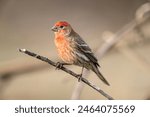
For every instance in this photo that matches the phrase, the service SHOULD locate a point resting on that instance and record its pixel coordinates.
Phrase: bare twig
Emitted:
(67, 71)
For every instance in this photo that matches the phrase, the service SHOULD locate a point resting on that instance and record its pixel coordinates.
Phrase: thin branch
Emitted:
(67, 71)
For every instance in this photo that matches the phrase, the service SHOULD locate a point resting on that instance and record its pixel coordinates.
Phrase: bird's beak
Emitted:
(54, 28)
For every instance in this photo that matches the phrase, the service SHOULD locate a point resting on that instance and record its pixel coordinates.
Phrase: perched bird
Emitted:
(72, 49)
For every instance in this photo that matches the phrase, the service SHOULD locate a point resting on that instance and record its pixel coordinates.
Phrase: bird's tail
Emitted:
(96, 70)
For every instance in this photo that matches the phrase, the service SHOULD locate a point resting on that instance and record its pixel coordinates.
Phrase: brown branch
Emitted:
(67, 71)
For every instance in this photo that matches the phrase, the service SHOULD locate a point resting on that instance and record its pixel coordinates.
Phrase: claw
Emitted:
(59, 65)
(79, 77)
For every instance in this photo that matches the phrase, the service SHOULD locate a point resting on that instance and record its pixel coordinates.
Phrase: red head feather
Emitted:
(62, 23)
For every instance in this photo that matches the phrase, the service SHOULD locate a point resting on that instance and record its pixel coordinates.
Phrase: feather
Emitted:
(82, 47)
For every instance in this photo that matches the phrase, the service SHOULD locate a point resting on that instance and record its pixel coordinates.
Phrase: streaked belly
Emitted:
(65, 51)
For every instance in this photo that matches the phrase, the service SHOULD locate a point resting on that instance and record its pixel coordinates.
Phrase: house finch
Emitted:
(72, 49)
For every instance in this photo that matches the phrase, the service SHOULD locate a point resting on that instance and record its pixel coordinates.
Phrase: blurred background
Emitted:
(117, 30)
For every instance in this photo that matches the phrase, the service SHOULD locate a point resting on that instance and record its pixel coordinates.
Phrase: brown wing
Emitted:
(83, 48)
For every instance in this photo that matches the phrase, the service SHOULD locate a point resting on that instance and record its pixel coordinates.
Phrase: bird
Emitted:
(73, 50)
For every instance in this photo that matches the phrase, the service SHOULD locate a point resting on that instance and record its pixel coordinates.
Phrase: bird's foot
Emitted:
(59, 65)
(79, 77)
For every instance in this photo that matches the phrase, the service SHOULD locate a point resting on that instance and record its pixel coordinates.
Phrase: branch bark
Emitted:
(67, 71)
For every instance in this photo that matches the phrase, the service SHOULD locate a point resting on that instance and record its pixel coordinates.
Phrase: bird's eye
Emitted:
(61, 26)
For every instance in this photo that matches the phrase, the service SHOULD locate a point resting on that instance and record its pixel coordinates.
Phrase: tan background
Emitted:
(27, 24)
